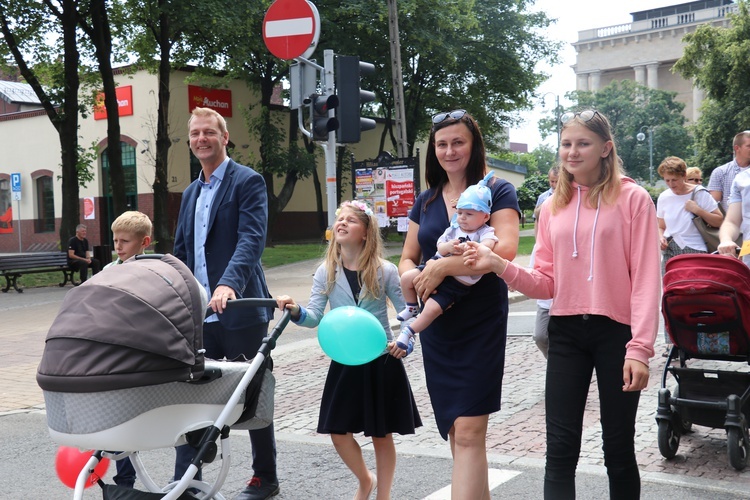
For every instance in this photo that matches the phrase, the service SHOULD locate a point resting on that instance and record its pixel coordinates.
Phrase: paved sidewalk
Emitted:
(516, 434)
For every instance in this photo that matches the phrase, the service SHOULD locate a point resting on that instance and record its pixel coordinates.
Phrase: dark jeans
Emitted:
(83, 267)
(125, 473)
(220, 343)
(578, 345)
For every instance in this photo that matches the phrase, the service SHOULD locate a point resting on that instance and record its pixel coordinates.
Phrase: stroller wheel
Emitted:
(737, 446)
(668, 439)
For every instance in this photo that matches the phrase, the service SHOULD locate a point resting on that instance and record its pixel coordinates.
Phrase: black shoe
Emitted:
(258, 489)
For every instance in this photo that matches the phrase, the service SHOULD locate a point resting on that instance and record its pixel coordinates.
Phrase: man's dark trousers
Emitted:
(220, 343)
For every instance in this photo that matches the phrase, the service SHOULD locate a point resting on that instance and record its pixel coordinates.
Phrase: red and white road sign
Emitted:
(291, 28)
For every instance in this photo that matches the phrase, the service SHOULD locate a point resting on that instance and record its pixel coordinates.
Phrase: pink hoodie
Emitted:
(599, 261)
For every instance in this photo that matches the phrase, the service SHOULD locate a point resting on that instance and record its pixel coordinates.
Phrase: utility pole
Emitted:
(398, 81)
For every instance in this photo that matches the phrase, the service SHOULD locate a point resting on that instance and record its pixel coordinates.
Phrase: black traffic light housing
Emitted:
(349, 70)
(322, 124)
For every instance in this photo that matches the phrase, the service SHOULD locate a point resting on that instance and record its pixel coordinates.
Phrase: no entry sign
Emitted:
(291, 28)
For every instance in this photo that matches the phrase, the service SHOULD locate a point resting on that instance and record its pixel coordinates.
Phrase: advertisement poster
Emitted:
(89, 208)
(6, 219)
(389, 190)
(399, 192)
(124, 103)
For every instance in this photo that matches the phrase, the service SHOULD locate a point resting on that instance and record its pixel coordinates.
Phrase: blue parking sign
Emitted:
(15, 182)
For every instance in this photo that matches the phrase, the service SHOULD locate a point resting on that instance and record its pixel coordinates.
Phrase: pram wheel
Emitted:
(668, 439)
(737, 447)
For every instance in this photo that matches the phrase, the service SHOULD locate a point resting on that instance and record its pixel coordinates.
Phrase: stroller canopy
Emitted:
(133, 325)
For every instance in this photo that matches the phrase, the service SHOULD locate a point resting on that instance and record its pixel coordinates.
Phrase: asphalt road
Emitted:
(308, 469)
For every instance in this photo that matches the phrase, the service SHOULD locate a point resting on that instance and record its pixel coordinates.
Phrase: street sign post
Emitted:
(291, 28)
(15, 187)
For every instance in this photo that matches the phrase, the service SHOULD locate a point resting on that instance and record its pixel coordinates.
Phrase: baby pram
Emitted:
(706, 309)
(123, 371)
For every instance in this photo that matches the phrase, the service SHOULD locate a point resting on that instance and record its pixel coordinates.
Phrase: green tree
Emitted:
(156, 32)
(716, 60)
(479, 56)
(527, 160)
(546, 157)
(530, 190)
(54, 73)
(632, 108)
(228, 50)
(93, 18)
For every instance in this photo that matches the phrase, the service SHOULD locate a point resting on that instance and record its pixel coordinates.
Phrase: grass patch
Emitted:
(279, 255)
(525, 245)
(272, 257)
(53, 278)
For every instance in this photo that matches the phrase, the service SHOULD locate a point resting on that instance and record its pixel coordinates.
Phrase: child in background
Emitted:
(131, 233)
(469, 224)
(374, 398)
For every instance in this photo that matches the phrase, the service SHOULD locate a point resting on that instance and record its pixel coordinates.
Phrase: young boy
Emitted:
(469, 224)
(131, 233)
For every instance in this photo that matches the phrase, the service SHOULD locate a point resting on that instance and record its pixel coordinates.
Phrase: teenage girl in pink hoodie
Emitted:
(598, 256)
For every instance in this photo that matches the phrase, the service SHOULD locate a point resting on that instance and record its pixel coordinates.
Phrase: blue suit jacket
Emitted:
(235, 240)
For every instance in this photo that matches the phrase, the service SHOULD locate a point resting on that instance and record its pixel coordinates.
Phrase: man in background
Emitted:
(79, 254)
(720, 183)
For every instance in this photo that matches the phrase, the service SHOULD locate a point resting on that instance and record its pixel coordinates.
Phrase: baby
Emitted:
(468, 224)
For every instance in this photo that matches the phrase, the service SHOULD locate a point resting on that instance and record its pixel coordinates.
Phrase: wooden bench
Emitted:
(13, 267)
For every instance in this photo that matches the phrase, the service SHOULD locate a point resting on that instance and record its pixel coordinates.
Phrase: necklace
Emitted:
(450, 202)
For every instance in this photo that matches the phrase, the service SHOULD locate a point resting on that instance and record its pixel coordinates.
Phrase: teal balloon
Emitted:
(351, 336)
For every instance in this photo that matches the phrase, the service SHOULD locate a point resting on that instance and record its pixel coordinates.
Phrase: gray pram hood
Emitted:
(133, 325)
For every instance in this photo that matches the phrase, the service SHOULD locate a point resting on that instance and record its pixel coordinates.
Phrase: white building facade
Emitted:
(646, 49)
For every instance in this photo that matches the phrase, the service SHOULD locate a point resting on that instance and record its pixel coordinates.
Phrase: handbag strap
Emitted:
(701, 188)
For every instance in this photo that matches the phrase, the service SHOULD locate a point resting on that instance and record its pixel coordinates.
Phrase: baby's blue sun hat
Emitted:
(477, 197)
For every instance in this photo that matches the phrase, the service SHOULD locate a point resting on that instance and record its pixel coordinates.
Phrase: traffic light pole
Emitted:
(329, 147)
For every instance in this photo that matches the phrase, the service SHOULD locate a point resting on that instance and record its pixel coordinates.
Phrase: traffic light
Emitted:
(321, 122)
(349, 69)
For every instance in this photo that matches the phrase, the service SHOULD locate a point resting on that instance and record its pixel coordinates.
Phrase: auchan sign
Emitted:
(124, 103)
(220, 100)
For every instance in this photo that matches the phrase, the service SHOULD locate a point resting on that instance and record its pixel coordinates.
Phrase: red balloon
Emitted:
(68, 464)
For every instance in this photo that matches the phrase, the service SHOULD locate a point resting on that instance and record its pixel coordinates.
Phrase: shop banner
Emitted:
(124, 103)
(220, 100)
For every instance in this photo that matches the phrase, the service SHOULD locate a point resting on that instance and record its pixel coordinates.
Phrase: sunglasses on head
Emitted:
(583, 115)
(453, 115)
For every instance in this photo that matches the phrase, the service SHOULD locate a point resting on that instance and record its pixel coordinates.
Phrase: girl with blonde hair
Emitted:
(374, 398)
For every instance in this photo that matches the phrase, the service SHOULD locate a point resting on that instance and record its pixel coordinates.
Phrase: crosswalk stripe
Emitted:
(496, 478)
(522, 313)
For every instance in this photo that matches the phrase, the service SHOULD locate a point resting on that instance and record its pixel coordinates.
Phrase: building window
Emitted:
(128, 168)
(45, 205)
(131, 186)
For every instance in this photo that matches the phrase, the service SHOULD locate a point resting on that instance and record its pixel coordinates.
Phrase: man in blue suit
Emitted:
(221, 234)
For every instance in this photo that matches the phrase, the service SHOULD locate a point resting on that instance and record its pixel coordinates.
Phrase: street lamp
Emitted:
(557, 114)
(641, 136)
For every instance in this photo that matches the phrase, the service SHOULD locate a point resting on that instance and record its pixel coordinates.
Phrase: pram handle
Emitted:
(252, 302)
(269, 342)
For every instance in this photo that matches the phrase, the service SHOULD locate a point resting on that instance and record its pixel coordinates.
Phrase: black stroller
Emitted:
(135, 378)
(706, 309)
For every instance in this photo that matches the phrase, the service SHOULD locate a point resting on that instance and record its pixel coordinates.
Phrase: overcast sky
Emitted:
(573, 16)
